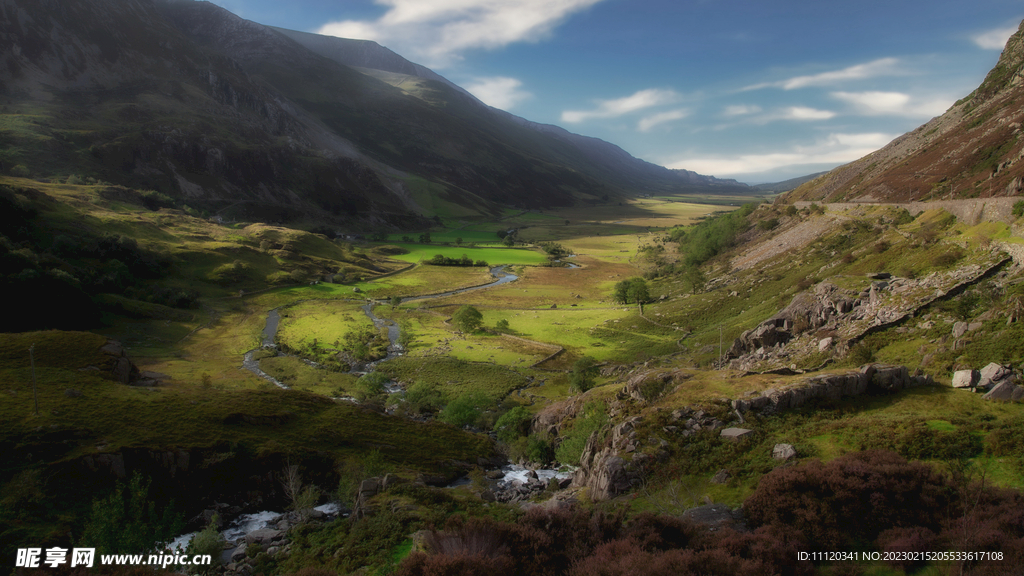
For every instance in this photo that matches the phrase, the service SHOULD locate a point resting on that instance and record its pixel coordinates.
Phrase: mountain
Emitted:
(250, 122)
(973, 150)
(612, 162)
(786, 185)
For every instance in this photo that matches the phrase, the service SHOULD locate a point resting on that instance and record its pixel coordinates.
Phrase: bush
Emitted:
(513, 424)
(570, 449)
(464, 410)
(1018, 209)
(851, 500)
(207, 542)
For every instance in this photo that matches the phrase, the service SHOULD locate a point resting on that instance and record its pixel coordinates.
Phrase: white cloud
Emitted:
(994, 39)
(893, 104)
(618, 107)
(881, 67)
(437, 32)
(498, 91)
(649, 122)
(803, 113)
(836, 149)
(741, 110)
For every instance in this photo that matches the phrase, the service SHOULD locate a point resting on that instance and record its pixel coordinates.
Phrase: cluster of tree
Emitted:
(709, 238)
(555, 249)
(442, 260)
(632, 291)
(467, 319)
(56, 274)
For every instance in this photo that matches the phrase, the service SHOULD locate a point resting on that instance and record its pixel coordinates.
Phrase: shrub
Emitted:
(463, 410)
(513, 424)
(851, 500)
(1018, 209)
(207, 542)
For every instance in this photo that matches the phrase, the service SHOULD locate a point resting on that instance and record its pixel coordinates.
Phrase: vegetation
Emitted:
(467, 319)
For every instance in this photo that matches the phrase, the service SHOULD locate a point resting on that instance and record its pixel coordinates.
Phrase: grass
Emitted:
(493, 256)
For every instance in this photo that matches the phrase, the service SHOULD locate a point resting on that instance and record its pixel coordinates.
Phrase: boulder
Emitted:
(264, 536)
(993, 374)
(721, 477)
(736, 433)
(959, 329)
(966, 378)
(716, 516)
(824, 344)
(238, 554)
(783, 452)
(1006, 390)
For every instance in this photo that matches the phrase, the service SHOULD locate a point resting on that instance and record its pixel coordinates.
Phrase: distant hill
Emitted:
(786, 185)
(973, 150)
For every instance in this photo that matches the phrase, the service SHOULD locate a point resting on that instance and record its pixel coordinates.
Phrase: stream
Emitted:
(250, 363)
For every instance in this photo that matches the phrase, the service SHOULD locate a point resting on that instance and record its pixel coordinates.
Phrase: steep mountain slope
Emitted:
(974, 150)
(591, 155)
(236, 118)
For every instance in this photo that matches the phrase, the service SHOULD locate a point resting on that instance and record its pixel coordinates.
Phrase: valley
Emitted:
(251, 269)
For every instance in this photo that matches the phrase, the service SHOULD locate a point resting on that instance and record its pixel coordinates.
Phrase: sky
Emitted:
(756, 90)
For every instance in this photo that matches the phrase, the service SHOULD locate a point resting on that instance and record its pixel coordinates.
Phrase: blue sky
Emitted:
(757, 90)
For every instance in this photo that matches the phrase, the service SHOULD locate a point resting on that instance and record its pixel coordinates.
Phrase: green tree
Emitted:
(583, 373)
(127, 522)
(632, 291)
(463, 410)
(502, 326)
(508, 241)
(696, 278)
(467, 319)
(513, 424)
(395, 301)
(458, 241)
(425, 238)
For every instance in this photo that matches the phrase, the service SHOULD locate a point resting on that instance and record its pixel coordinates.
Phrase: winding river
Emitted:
(252, 364)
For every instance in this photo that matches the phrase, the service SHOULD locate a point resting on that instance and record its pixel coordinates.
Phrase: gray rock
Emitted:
(966, 378)
(824, 344)
(721, 477)
(1007, 391)
(736, 433)
(264, 536)
(993, 374)
(959, 329)
(238, 554)
(783, 452)
(716, 516)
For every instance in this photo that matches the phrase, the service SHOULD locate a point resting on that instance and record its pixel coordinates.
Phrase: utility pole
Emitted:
(720, 366)
(32, 361)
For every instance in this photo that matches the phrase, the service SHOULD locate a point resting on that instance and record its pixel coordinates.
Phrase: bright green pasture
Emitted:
(493, 256)
(326, 321)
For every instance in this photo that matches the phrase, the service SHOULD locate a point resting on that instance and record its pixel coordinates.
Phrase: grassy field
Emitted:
(493, 256)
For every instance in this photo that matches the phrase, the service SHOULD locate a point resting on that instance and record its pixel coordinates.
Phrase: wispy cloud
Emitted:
(653, 120)
(994, 39)
(881, 67)
(438, 32)
(893, 104)
(498, 91)
(741, 110)
(836, 149)
(620, 106)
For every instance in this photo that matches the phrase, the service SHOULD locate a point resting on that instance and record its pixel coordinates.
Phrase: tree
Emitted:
(633, 290)
(127, 522)
(425, 238)
(467, 319)
(583, 373)
(458, 241)
(208, 541)
(508, 241)
(513, 424)
(696, 278)
(502, 326)
(395, 301)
